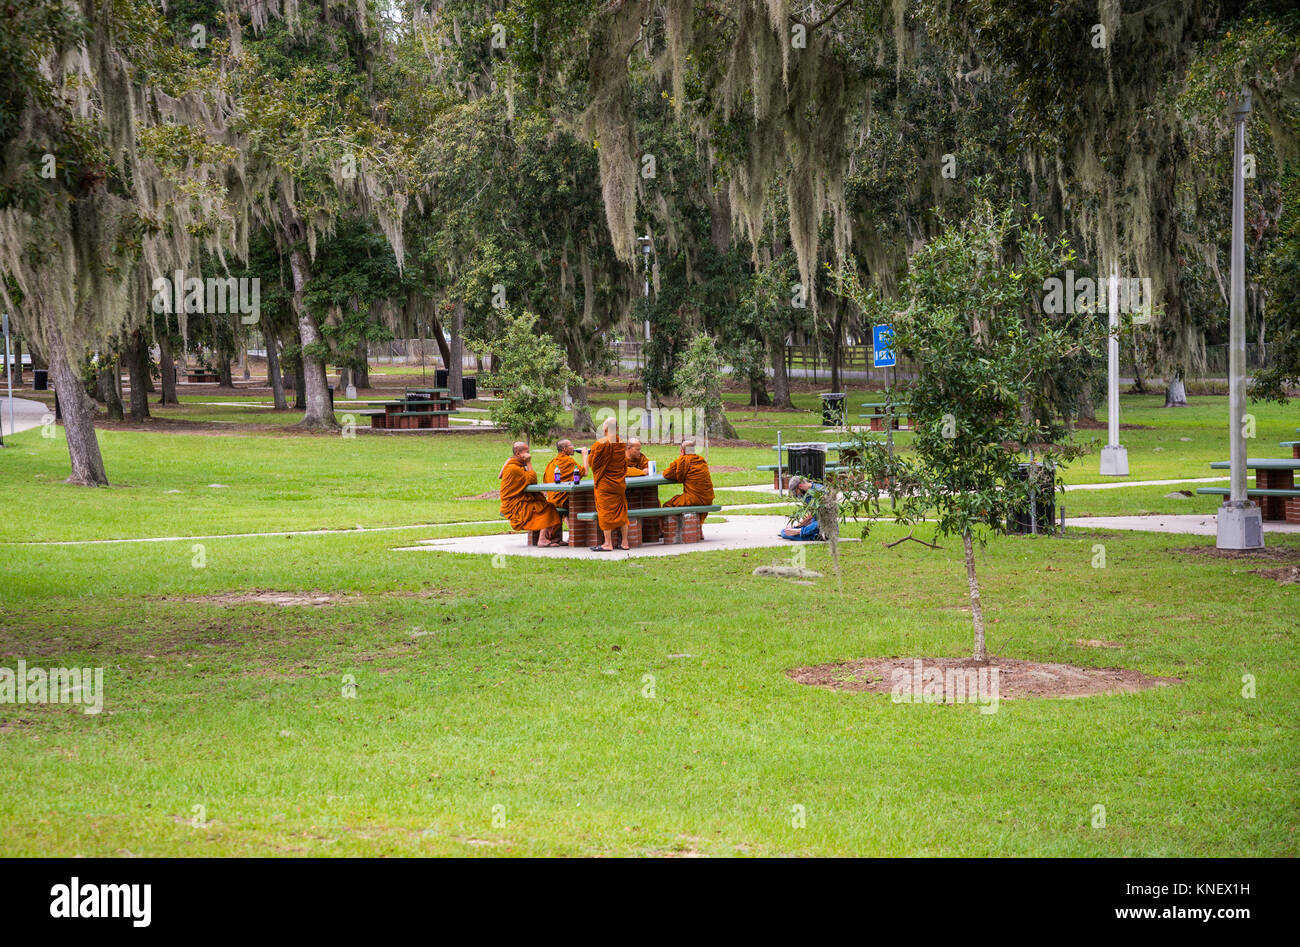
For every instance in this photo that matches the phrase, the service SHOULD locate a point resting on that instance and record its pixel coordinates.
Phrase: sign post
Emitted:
(882, 347)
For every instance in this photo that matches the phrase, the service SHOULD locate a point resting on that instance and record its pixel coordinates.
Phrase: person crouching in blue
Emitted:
(805, 528)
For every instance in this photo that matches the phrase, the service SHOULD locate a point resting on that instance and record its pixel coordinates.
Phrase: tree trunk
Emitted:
(436, 328)
(243, 360)
(18, 360)
(780, 377)
(167, 368)
(836, 350)
(224, 378)
(108, 392)
(1176, 392)
(78, 415)
(273, 376)
(137, 367)
(1087, 410)
(319, 414)
(976, 611)
(299, 384)
(361, 374)
(457, 353)
(758, 394)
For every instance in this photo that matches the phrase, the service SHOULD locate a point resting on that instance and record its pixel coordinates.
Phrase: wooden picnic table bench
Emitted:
(891, 413)
(1274, 484)
(1294, 445)
(644, 526)
(679, 529)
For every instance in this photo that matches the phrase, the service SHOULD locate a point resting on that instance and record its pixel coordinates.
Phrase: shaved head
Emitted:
(633, 444)
(688, 446)
(564, 446)
(611, 424)
(520, 448)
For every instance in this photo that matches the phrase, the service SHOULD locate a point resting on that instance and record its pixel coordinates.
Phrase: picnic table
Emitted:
(420, 408)
(648, 521)
(1274, 485)
(886, 412)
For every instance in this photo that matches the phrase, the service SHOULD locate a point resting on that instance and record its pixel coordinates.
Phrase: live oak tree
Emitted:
(969, 319)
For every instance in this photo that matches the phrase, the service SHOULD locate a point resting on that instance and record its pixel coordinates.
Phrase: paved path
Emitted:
(27, 414)
(739, 532)
(1192, 524)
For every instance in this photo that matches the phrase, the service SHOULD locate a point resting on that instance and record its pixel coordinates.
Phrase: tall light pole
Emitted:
(1114, 456)
(1239, 524)
(645, 256)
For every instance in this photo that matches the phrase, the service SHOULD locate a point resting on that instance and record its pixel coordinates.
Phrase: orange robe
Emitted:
(523, 510)
(638, 465)
(692, 472)
(609, 470)
(566, 463)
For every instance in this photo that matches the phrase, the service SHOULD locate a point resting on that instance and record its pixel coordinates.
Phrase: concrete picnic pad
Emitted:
(738, 532)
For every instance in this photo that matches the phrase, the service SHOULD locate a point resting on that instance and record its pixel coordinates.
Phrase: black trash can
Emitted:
(1019, 520)
(40, 379)
(469, 387)
(833, 409)
(807, 460)
(440, 378)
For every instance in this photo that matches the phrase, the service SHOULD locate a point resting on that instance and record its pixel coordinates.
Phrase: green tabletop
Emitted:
(568, 486)
(804, 445)
(1262, 463)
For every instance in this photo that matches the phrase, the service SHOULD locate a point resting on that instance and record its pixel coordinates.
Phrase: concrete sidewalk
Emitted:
(27, 414)
(738, 532)
(1192, 524)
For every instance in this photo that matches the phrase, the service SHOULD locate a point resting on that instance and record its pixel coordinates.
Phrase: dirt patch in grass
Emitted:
(313, 598)
(267, 597)
(1283, 575)
(1096, 643)
(1267, 553)
(490, 495)
(728, 469)
(1015, 679)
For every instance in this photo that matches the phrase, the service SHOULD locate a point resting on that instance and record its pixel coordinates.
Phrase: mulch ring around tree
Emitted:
(1015, 679)
(1283, 575)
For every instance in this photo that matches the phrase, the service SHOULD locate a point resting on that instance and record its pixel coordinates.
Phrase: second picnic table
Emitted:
(418, 408)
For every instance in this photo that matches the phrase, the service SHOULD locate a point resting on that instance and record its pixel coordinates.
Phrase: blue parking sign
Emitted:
(882, 343)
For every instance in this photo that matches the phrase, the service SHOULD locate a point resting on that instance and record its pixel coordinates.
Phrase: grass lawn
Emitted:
(602, 707)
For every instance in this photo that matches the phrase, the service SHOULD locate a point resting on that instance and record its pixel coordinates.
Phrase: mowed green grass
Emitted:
(602, 707)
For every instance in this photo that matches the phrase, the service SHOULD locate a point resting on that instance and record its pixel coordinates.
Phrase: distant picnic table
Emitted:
(417, 408)
(647, 520)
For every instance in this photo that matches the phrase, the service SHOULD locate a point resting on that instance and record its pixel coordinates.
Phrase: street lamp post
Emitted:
(645, 256)
(1114, 456)
(1239, 524)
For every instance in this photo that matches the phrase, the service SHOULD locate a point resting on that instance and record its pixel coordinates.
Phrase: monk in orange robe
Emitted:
(608, 460)
(524, 510)
(638, 464)
(564, 462)
(692, 472)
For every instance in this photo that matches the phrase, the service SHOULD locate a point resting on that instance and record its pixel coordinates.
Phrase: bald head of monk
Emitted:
(609, 429)
(564, 447)
(688, 447)
(633, 447)
(522, 452)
